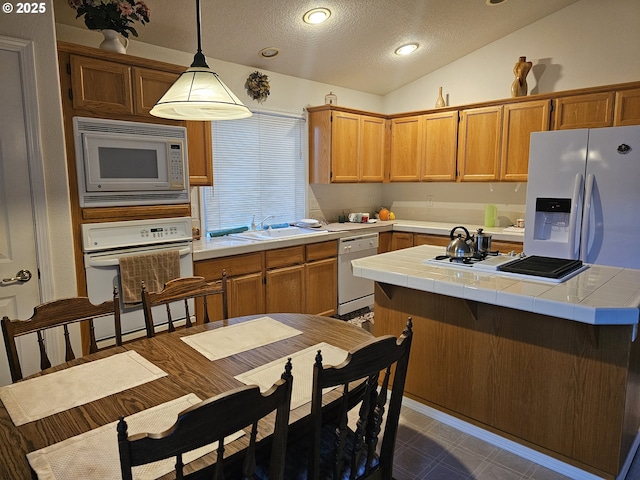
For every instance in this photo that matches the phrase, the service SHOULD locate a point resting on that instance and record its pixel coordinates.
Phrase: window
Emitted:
(258, 170)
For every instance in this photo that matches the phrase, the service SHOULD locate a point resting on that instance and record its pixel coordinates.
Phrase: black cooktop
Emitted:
(548, 267)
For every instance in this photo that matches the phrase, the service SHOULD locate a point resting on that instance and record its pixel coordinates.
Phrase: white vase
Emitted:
(112, 41)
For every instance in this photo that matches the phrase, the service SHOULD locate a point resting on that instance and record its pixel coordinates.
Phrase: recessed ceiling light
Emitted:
(317, 15)
(493, 3)
(406, 49)
(269, 52)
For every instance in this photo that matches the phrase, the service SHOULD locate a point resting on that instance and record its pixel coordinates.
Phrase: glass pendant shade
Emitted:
(199, 94)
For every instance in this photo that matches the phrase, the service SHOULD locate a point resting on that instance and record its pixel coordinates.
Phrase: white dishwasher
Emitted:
(354, 293)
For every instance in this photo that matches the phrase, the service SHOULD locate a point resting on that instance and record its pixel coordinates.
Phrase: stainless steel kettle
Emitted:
(460, 247)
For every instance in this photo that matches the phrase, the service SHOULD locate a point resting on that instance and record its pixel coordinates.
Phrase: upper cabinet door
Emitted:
(520, 119)
(149, 86)
(440, 147)
(406, 149)
(593, 110)
(372, 148)
(479, 143)
(101, 86)
(200, 149)
(627, 108)
(345, 147)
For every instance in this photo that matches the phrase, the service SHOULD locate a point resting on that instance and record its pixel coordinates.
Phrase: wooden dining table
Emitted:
(188, 371)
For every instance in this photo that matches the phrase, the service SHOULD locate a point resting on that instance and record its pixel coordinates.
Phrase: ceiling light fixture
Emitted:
(406, 49)
(269, 52)
(199, 94)
(316, 16)
(493, 3)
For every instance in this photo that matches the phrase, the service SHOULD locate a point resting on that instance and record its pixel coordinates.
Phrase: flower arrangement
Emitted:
(117, 15)
(257, 86)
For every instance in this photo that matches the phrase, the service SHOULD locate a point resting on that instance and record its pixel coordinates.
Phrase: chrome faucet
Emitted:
(261, 222)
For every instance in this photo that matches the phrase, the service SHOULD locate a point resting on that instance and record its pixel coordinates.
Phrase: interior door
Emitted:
(17, 233)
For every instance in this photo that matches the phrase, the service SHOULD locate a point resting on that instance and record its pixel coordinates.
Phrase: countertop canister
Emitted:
(490, 213)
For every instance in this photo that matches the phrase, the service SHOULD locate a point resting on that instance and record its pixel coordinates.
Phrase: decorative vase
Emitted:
(440, 101)
(112, 41)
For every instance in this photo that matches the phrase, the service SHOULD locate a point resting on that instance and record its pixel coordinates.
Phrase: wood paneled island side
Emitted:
(545, 365)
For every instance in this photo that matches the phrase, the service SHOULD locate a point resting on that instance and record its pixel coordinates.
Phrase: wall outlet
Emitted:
(429, 200)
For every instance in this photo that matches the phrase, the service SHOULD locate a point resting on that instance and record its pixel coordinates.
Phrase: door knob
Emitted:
(21, 276)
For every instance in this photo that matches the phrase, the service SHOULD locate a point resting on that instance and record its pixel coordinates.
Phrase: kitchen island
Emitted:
(554, 367)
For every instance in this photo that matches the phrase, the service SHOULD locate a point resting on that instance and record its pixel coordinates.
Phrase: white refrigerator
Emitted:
(583, 196)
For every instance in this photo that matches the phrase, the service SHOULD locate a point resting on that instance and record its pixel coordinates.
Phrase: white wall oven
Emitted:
(123, 163)
(104, 244)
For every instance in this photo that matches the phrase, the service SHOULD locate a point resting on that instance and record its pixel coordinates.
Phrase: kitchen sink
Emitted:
(277, 233)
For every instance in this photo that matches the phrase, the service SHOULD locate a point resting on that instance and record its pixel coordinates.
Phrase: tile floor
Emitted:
(427, 449)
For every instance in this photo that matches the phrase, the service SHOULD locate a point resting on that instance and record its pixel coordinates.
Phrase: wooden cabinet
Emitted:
(592, 110)
(423, 147)
(100, 86)
(245, 283)
(627, 109)
(400, 240)
(321, 278)
(285, 280)
(430, 239)
(406, 148)
(148, 87)
(298, 279)
(200, 148)
(373, 131)
(406, 240)
(520, 119)
(285, 289)
(345, 146)
(479, 144)
(438, 162)
(384, 242)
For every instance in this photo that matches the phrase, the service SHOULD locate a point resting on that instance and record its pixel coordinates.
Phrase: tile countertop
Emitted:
(599, 295)
(224, 246)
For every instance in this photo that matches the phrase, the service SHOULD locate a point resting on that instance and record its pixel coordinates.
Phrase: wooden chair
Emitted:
(211, 421)
(54, 314)
(182, 290)
(336, 451)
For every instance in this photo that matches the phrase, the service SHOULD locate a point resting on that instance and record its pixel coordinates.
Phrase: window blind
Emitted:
(258, 169)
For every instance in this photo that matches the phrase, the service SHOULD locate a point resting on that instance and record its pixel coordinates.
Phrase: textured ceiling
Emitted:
(353, 49)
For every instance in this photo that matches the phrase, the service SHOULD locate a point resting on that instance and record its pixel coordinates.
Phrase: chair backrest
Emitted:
(54, 314)
(182, 290)
(211, 421)
(376, 367)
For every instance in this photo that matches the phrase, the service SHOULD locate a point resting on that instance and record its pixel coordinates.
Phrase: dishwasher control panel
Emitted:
(358, 243)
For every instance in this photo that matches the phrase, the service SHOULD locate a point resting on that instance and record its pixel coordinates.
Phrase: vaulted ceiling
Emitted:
(354, 48)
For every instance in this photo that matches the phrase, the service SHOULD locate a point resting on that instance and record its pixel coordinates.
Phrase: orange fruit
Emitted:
(383, 214)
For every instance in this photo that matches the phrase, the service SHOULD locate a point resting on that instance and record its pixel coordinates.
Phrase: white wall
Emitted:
(39, 28)
(588, 43)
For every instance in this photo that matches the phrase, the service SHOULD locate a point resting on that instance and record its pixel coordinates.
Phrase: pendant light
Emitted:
(199, 94)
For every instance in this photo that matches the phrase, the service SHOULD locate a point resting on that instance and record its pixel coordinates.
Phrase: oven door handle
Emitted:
(113, 260)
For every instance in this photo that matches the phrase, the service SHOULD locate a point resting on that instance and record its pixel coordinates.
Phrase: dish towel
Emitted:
(155, 269)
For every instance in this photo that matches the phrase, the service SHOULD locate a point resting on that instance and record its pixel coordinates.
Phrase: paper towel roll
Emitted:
(490, 214)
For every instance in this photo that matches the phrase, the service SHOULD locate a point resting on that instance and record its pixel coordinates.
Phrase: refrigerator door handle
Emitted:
(584, 234)
(576, 205)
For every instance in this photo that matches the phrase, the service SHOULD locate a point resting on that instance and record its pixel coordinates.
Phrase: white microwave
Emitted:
(122, 163)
